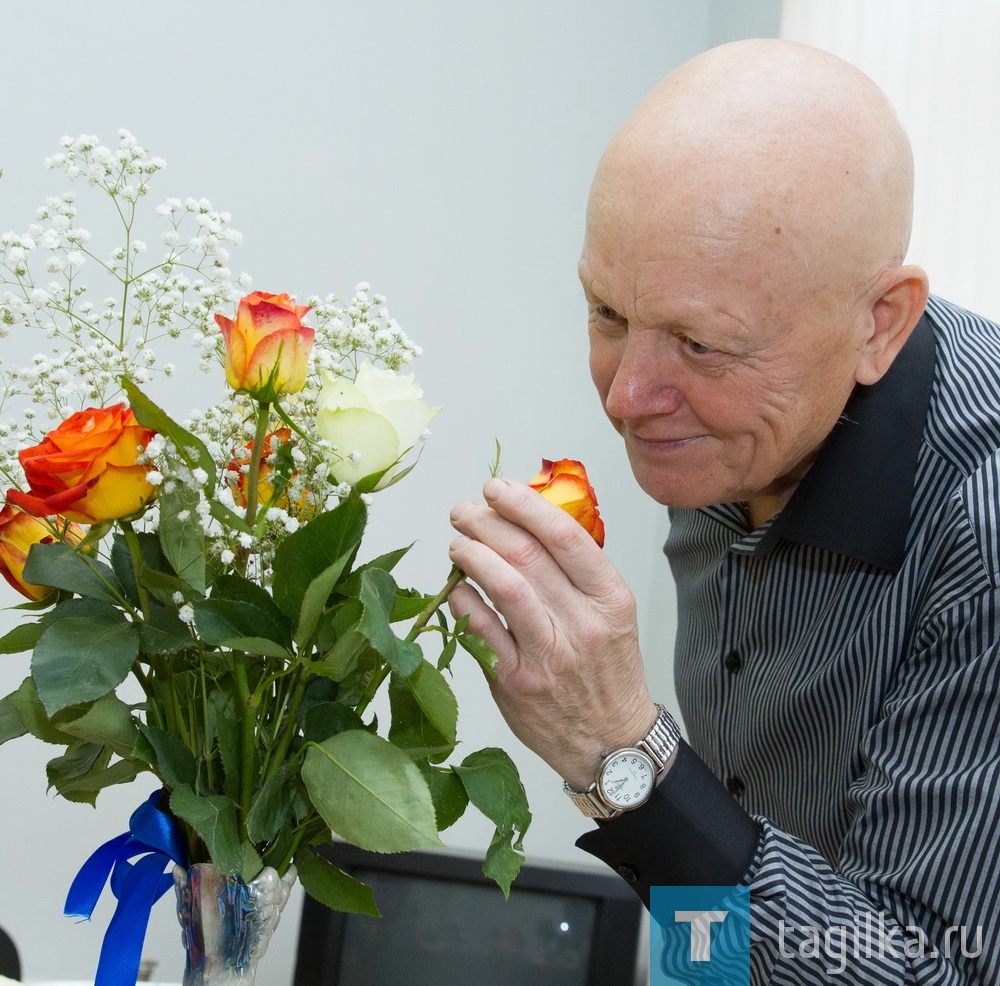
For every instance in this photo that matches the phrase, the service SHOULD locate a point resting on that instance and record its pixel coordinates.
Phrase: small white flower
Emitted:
(178, 598)
(227, 557)
(186, 614)
(154, 477)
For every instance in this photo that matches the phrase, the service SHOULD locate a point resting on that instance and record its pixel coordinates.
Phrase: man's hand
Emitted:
(570, 681)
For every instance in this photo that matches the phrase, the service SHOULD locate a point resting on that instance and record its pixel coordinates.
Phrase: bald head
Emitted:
(777, 139)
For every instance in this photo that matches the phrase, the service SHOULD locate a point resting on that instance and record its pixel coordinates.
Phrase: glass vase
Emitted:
(226, 923)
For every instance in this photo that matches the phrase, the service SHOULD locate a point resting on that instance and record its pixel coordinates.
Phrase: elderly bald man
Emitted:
(826, 439)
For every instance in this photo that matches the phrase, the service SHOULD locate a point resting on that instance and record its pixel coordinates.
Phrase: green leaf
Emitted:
(424, 713)
(173, 761)
(409, 604)
(150, 553)
(370, 793)
(502, 862)
(182, 537)
(241, 626)
(162, 586)
(164, 633)
(240, 589)
(61, 566)
(315, 599)
(326, 719)
(82, 658)
(23, 637)
(11, 725)
(108, 722)
(331, 886)
(213, 817)
(252, 863)
(447, 792)
(447, 654)
(150, 415)
(86, 787)
(305, 555)
(480, 650)
(31, 712)
(272, 805)
(226, 724)
(494, 787)
(378, 594)
(385, 563)
(77, 762)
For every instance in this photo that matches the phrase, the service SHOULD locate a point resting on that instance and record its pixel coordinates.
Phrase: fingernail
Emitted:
(493, 489)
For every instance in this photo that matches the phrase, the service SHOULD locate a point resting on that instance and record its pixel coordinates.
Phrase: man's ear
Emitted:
(899, 301)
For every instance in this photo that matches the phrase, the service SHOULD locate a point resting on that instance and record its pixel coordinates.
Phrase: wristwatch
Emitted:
(626, 778)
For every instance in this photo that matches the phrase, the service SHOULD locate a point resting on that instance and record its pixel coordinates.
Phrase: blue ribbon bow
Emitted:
(154, 836)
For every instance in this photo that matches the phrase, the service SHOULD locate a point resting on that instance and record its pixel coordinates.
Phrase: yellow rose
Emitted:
(373, 422)
(267, 346)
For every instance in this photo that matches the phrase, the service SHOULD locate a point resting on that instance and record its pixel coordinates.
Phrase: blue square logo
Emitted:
(699, 935)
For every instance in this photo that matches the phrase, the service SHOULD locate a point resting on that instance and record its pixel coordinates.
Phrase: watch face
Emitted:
(627, 779)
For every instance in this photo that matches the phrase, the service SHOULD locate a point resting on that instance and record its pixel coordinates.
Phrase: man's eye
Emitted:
(608, 313)
(699, 349)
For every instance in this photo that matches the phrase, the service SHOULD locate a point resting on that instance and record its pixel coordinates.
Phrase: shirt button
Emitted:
(736, 787)
(733, 661)
(628, 874)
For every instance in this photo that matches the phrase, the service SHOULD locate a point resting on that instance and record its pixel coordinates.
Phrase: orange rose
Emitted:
(18, 532)
(565, 484)
(86, 469)
(236, 476)
(267, 346)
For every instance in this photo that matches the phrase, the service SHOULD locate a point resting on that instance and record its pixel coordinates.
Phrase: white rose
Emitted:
(379, 416)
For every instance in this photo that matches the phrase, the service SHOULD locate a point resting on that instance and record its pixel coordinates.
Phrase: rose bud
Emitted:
(86, 470)
(236, 476)
(18, 532)
(565, 484)
(372, 422)
(267, 346)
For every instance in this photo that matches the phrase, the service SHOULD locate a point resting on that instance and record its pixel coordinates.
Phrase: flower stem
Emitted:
(247, 721)
(455, 576)
(263, 419)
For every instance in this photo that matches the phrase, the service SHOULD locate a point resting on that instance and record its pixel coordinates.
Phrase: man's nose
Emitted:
(645, 383)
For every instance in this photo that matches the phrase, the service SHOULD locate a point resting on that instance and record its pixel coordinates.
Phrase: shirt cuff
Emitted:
(691, 832)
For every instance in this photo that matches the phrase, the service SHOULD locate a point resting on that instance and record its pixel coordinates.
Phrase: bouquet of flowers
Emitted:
(199, 608)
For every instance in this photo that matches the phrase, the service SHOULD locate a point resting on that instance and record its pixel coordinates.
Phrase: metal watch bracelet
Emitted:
(658, 745)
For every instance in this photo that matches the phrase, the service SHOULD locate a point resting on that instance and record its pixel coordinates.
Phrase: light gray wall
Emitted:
(441, 151)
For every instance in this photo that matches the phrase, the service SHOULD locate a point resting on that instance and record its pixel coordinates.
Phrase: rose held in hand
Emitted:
(86, 470)
(267, 346)
(565, 484)
(372, 422)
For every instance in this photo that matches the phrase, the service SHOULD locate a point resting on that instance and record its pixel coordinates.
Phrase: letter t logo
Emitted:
(701, 931)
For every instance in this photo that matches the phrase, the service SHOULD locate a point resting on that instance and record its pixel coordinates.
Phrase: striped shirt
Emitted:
(839, 670)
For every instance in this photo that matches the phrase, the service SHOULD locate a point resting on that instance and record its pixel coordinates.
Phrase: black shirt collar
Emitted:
(855, 499)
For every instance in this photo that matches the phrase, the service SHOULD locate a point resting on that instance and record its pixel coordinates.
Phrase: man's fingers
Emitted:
(574, 550)
(483, 620)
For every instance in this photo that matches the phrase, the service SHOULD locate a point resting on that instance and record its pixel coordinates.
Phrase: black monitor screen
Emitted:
(444, 923)
(467, 933)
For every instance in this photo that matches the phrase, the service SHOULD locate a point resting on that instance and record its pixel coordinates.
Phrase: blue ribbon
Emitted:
(155, 837)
